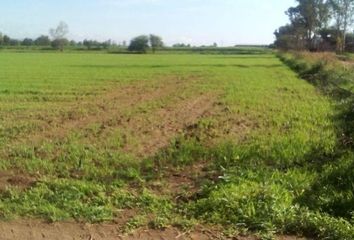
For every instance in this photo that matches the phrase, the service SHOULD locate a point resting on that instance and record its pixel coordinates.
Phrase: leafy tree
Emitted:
(106, 44)
(290, 37)
(309, 28)
(181, 45)
(14, 42)
(27, 42)
(343, 12)
(349, 43)
(6, 40)
(59, 43)
(309, 16)
(93, 44)
(329, 38)
(155, 42)
(42, 41)
(72, 43)
(58, 34)
(87, 43)
(139, 44)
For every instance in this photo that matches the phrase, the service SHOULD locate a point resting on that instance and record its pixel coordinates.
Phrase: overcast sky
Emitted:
(197, 22)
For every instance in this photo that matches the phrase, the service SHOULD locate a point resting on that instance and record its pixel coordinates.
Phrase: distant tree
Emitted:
(14, 42)
(72, 43)
(58, 34)
(60, 31)
(215, 44)
(139, 44)
(59, 43)
(87, 44)
(181, 45)
(93, 44)
(290, 37)
(106, 44)
(42, 41)
(155, 42)
(27, 42)
(6, 40)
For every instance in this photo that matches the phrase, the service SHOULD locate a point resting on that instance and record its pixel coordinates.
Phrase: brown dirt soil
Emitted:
(157, 129)
(36, 230)
(182, 184)
(9, 179)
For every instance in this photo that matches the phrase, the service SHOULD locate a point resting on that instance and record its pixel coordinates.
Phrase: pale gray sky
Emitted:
(226, 22)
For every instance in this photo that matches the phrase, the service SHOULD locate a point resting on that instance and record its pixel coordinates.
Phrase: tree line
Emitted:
(318, 25)
(57, 40)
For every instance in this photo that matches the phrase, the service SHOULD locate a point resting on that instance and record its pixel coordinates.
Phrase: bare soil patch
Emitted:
(182, 184)
(36, 230)
(156, 129)
(10, 179)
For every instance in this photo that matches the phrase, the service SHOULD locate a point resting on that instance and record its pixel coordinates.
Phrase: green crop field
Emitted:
(236, 143)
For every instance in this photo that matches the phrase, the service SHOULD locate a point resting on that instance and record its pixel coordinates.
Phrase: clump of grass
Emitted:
(332, 191)
(181, 152)
(249, 205)
(60, 200)
(319, 225)
(252, 199)
(68, 199)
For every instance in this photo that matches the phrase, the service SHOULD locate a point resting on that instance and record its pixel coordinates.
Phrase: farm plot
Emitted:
(195, 146)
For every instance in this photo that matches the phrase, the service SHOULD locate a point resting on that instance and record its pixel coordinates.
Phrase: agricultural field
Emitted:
(170, 146)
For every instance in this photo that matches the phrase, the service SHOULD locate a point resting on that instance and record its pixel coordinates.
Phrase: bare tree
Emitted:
(58, 34)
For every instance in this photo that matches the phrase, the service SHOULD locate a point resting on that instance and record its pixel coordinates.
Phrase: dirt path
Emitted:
(36, 230)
